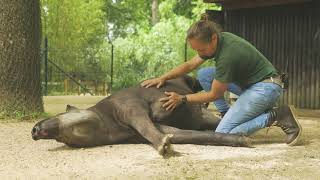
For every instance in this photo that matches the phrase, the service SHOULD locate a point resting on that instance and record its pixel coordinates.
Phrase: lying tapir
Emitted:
(135, 115)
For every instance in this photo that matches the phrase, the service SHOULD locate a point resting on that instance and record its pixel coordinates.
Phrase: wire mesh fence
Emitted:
(64, 73)
(63, 76)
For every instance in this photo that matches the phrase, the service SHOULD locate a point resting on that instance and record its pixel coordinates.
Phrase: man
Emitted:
(240, 69)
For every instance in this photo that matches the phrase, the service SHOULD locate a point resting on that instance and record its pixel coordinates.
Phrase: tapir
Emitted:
(135, 115)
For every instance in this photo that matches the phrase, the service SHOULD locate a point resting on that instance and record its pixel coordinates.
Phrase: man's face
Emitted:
(204, 49)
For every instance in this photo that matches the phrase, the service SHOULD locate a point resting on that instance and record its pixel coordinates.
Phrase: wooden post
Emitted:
(46, 66)
(79, 88)
(66, 86)
(96, 84)
(104, 84)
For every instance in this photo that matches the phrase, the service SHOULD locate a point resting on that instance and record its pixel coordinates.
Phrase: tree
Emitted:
(155, 12)
(20, 88)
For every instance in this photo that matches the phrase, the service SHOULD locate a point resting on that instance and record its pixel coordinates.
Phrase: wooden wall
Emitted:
(288, 35)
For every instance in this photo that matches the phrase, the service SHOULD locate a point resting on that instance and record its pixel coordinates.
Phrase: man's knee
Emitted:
(206, 74)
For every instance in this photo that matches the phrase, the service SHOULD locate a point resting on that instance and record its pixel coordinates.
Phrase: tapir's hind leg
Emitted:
(203, 137)
(138, 118)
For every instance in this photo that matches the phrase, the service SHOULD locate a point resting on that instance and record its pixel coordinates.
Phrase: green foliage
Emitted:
(76, 33)
(125, 17)
(166, 9)
(150, 54)
(184, 8)
(80, 33)
(201, 7)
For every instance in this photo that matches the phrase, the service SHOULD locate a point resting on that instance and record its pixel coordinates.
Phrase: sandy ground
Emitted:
(23, 158)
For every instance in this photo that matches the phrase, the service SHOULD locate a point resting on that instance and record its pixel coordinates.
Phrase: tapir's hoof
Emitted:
(165, 148)
(242, 141)
(246, 141)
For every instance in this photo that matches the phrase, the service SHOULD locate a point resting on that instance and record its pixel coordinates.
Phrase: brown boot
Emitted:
(284, 117)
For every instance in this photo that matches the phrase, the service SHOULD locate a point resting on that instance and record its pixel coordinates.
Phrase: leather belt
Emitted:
(276, 80)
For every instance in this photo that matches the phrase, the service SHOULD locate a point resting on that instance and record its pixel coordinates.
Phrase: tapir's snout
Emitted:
(35, 132)
(38, 133)
(45, 129)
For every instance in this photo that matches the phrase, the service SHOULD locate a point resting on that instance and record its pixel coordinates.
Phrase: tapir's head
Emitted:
(74, 127)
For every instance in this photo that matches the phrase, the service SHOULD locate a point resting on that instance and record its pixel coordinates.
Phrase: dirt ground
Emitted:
(23, 158)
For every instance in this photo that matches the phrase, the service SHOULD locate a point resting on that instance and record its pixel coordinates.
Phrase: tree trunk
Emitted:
(20, 84)
(155, 12)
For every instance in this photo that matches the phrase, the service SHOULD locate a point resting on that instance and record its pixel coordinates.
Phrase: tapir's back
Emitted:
(185, 116)
(182, 85)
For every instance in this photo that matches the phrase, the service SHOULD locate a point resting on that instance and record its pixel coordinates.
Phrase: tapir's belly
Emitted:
(158, 113)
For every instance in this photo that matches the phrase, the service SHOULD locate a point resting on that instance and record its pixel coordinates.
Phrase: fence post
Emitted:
(112, 48)
(104, 88)
(46, 66)
(186, 51)
(66, 86)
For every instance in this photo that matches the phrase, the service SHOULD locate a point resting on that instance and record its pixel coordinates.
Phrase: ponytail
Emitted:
(203, 29)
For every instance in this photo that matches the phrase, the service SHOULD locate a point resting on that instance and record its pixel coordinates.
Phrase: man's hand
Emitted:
(153, 82)
(171, 101)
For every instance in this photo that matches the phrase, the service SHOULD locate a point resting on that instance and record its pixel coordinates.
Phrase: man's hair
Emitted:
(203, 30)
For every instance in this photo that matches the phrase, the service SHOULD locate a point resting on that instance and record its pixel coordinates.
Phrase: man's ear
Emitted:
(70, 108)
(214, 37)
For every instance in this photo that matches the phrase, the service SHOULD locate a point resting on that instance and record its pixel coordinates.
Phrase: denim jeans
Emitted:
(248, 114)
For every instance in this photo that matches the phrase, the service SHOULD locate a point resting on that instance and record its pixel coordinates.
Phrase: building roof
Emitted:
(239, 4)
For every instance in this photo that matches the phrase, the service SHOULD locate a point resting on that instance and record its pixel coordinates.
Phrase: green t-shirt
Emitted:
(239, 62)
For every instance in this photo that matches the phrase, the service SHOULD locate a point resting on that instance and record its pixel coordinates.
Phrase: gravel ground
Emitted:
(23, 158)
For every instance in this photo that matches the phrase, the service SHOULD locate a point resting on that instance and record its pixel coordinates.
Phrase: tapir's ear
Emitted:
(70, 108)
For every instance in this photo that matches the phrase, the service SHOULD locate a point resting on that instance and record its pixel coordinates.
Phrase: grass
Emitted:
(18, 116)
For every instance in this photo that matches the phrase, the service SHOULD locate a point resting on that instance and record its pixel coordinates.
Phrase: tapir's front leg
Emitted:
(137, 116)
(204, 137)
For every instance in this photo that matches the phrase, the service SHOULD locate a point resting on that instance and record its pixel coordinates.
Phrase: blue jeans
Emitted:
(248, 114)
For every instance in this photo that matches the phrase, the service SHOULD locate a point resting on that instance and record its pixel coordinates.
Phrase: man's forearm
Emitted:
(201, 97)
(216, 92)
